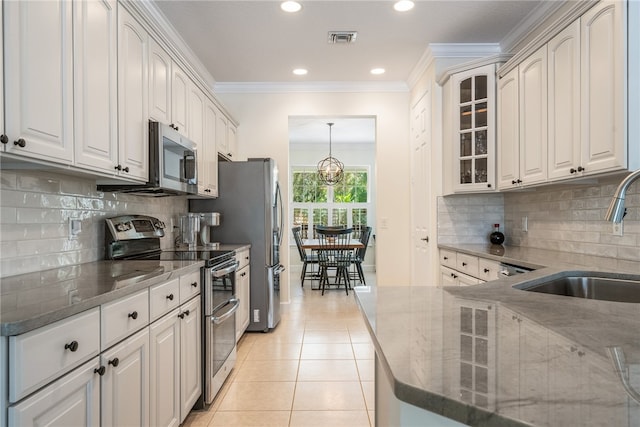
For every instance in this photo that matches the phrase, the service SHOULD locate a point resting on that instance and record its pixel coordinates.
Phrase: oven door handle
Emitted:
(225, 271)
(219, 319)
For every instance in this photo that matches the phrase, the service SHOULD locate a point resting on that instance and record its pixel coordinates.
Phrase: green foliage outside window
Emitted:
(307, 188)
(352, 188)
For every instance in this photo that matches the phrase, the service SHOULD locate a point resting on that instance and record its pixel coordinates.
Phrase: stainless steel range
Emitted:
(138, 237)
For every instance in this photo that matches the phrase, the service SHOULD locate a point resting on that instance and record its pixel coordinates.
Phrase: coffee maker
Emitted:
(188, 228)
(208, 220)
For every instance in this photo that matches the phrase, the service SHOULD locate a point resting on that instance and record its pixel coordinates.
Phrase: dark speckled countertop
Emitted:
(494, 355)
(29, 301)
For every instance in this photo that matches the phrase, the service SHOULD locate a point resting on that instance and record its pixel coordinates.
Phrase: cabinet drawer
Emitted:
(39, 356)
(189, 286)
(123, 317)
(448, 258)
(488, 269)
(164, 298)
(467, 264)
(465, 280)
(243, 258)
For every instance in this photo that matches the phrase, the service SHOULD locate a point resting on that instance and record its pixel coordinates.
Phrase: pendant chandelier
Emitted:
(330, 169)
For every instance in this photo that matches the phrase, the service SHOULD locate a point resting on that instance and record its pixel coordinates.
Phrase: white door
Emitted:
(125, 384)
(563, 63)
(95, 77)
(133, 99)
(421, 190)
(508, 131)
(190, 357)
(603, 80)
(533, 117)
(73, 400)
(164, 368)
(210, 161)
(39, 79)
(159, 83)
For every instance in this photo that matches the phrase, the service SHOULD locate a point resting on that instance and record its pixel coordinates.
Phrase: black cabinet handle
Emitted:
(72, 346)
(229, 154)
(194, 284)
(486, 270)
(181, 315)
(464, 264)
(133, 315)
(513, 181)
(118, 168)
(580, 169)
(100, 371)
(446, 258)
(519, 181)
(115, 362)
(186, 312)
(4, 139)
(243, 274)
(170, 297)
(126, 169)
(20, 142)
(488, 185)
(572, 170)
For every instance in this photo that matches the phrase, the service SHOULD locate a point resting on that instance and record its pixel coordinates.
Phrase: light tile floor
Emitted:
(315, 369)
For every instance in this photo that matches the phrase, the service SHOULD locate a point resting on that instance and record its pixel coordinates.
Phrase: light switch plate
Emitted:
(617, 229)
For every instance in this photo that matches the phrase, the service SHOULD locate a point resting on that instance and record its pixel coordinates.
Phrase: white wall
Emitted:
(263, 132)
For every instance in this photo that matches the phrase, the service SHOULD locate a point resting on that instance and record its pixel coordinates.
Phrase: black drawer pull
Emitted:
(4, 139)
(446, 258)
(181, 315)
(118, 168)
(99, 371)
(21, 143)
(186, 312)
(464, 264)
(133, 315)
(486, 270)
(194, 284)
(115, 362)
(126, 169)
(72, 346)
(170, 297)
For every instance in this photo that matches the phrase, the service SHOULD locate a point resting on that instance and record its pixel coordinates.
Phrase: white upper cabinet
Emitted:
(159, 83)
(209, 152)
(603, 84)
(95, 84)
(39, 79)
(474, 129)
(533, 117)
(133, 101)
(508, 131)
(563, 61)
(222, 141)
(180, 86)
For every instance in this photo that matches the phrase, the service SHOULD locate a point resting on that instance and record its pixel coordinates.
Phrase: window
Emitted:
(346, 203)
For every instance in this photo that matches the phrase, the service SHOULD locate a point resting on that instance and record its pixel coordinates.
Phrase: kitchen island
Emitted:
(495, 355)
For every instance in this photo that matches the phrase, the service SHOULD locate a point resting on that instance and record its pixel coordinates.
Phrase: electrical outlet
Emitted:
(617, 229)
(525, 224)
(75, 227)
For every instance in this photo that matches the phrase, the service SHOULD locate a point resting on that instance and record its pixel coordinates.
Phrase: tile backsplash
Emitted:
(469, 218)
(566, 218)
(570, 219)
(35, 208)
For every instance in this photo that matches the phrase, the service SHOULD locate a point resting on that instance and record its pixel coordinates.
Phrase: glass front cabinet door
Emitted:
(474, 129)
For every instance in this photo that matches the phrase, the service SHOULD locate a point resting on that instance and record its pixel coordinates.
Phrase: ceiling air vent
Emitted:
(342, 37)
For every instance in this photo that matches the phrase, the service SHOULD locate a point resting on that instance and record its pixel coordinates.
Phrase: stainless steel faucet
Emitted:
(616, 210)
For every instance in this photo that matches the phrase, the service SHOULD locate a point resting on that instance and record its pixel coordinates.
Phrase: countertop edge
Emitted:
(27, 325)
(433, 402)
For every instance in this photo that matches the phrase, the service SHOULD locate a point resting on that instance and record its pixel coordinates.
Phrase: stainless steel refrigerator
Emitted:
(250, 207)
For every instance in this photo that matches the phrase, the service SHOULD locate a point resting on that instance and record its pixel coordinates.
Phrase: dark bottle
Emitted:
(497, 238)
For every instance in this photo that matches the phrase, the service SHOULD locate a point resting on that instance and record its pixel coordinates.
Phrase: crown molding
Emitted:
(529, 23)
(500, 58)
(309, 87)
(574, 9)
(450, 50)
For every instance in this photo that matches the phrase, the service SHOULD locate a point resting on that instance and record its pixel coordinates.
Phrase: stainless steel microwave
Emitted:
(172, 165)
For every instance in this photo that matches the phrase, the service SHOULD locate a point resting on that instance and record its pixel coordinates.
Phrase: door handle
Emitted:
(425, 239)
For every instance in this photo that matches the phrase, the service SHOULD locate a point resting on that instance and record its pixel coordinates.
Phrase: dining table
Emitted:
(314, 244)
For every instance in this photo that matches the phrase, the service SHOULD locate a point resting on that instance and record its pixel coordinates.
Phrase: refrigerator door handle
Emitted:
(279, 203)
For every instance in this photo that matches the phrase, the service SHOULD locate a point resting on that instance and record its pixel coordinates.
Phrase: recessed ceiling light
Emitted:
(377, 71)
(403, 5)
(290, 6)
(300, 71)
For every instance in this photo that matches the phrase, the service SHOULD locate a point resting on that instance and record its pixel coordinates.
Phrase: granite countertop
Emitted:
(29, 301)
(495, 355)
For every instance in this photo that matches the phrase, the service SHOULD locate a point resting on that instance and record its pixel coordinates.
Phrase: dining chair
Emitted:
(305, 258)
(360, 253)
(334, 252)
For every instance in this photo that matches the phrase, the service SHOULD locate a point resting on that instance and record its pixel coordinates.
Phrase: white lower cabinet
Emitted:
(165, 370)
(243, 292)
(190, 355)
(73, 400)
(125, 383)
(459, 269)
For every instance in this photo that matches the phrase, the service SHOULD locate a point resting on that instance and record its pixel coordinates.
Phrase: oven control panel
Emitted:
(133, 227)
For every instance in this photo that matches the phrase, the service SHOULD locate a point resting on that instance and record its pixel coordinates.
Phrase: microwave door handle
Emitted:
(190, 168)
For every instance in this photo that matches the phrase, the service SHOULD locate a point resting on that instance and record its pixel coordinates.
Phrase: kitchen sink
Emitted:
(589, 287)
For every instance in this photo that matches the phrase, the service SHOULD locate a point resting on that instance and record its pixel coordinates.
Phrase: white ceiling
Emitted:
(345, 130)
(254, 41)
